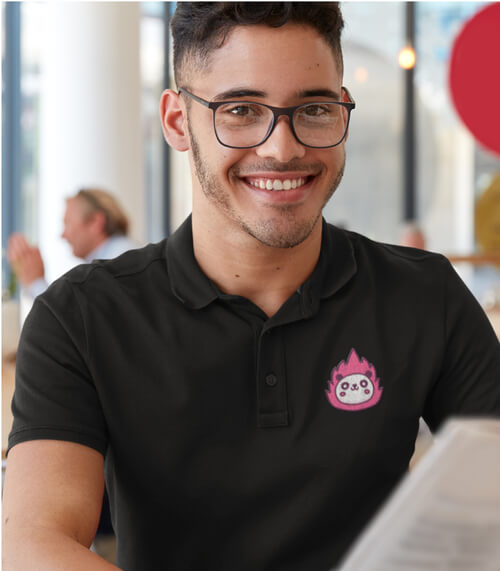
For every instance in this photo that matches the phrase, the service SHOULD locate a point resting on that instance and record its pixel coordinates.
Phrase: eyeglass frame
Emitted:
(277, 113)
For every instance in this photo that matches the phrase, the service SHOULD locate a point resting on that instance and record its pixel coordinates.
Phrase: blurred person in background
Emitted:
(412, 236)
(95, 226)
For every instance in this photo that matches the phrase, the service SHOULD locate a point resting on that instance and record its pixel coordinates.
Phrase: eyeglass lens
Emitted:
(247, 124)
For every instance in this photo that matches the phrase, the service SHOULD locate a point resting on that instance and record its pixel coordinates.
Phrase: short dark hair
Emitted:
(200, 27)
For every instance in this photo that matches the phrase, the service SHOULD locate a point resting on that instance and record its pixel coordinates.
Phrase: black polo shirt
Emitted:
(234, 441)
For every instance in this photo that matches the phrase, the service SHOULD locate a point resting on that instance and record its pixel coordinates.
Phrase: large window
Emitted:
(153, 69)
(11, 131)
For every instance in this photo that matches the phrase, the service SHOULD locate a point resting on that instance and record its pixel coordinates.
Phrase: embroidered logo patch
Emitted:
(354, 384)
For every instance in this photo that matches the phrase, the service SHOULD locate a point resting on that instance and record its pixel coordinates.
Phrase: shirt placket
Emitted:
(272, 405)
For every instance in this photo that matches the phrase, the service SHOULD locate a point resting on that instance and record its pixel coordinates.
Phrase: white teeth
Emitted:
(277, 184)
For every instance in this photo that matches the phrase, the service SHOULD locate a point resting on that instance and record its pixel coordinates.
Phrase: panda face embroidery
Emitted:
(354, 389)
(354, 384)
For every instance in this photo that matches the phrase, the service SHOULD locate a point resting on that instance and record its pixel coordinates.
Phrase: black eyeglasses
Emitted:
(247, 124)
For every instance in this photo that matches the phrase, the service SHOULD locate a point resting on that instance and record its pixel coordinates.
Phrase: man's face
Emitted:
(78, 229)
(281, 67)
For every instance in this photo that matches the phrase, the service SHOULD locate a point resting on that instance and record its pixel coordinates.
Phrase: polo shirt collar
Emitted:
(189, 284)
(337, 260)
(336, 266)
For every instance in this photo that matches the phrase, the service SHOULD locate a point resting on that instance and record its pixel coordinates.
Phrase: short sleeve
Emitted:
(55, 397)
(469, 379)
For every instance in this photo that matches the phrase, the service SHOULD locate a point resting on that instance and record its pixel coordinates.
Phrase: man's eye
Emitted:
(317, 110)
(241, 110)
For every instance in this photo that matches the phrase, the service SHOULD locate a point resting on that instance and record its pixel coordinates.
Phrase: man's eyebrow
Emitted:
(320, 92)
(242, 92)
(238, 93)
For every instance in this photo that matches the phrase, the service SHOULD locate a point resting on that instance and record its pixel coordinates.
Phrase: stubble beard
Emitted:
(281, 231)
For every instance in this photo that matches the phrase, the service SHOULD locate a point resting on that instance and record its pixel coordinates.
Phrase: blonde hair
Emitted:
(99, 200)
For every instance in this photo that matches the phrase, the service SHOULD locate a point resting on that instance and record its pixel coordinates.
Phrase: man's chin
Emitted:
(281, 235)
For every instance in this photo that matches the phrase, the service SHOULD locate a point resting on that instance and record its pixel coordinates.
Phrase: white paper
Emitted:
(445, 515)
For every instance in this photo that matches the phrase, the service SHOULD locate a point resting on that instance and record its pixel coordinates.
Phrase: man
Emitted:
(95, 226)
(255, 382)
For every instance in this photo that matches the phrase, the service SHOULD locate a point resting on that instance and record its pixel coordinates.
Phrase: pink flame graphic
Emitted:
(353, 365)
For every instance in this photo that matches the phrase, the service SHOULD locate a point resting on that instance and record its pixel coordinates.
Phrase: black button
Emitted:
(271, 380)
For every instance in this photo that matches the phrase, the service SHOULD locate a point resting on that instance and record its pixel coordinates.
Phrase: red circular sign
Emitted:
(475, 76)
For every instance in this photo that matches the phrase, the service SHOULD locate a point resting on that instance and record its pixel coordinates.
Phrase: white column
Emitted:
(463, 183)
(91, 131)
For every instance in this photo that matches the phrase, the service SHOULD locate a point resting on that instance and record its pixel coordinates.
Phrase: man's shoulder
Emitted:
(392, 261)
(105, 287)
(136, 262)
(379, 252)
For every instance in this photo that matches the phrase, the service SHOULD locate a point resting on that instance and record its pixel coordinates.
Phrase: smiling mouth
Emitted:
(264, 183)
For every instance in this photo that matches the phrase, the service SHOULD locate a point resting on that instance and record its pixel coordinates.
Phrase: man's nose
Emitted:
(282, 144)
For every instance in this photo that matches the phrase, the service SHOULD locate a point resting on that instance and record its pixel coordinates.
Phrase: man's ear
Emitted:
(97, 220)
(173, 120)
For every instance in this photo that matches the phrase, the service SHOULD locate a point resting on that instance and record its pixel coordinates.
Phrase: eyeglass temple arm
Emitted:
(195, 97)
(348, 93)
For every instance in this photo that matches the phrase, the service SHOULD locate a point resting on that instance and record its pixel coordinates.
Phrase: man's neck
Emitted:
(240, 265)
(96, 246)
